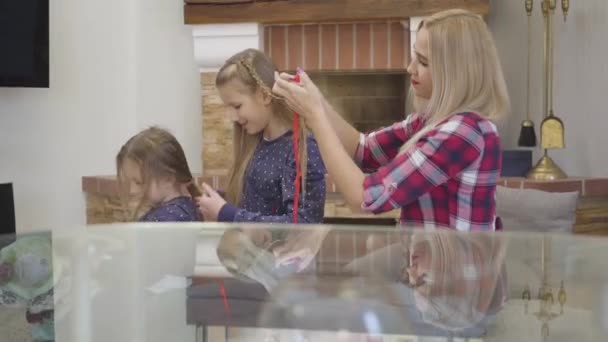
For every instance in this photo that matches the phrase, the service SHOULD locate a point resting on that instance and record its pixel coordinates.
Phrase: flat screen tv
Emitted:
(24, 43)
(7, 210)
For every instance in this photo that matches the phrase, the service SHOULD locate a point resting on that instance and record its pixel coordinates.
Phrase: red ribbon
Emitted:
(296, 131)
(224, 298)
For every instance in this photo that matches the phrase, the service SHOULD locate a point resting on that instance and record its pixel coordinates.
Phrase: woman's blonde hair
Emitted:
(465, 70)
(158, 154)
(256, 71)
(465, 280)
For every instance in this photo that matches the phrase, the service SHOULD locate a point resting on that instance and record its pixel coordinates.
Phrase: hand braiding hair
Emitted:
(249, 67)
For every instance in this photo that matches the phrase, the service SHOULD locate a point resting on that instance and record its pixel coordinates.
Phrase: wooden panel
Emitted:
(311, 47)
(277, 46)
(380, 45)
(556, 186)
(346, 53)
(363, 41)
(328, 47)
(287, 11)
(267, 40)
(339, 46)
(399, 43)
(294, 50)
(596, 187)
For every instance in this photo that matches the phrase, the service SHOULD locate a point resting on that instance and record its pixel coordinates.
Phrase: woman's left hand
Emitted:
(210, 203)
(301, 247)
(304, 97)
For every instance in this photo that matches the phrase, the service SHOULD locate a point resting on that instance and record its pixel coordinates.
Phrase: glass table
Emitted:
(215, 282)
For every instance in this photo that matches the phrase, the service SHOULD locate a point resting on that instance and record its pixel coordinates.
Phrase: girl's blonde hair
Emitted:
(158, 155)
(465, 70)
(256, 71)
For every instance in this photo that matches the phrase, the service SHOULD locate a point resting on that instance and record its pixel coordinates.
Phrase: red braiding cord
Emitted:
(224, 298)
(296, 153)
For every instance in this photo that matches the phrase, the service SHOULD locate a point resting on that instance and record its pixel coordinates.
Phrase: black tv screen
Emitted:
(7, 209)
(24, 43)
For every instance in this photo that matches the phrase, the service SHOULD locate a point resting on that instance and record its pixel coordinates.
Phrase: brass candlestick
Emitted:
(546, 301)
(552, 128)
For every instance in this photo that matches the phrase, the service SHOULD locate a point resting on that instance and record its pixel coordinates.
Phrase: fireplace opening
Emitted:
(368, 101)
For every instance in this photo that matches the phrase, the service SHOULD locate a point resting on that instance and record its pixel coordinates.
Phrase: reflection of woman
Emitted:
(458, 279)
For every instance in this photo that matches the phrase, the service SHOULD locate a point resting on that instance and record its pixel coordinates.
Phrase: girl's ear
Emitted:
(263, 97)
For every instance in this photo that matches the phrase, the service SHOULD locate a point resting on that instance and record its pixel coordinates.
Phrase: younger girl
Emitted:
(439, 166)
(152, 167)
(261, 184)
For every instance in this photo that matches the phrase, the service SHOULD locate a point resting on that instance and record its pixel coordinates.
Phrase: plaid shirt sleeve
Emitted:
(438, 156)
(378, 148)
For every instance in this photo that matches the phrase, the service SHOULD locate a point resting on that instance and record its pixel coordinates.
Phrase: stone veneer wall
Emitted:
(217, 131)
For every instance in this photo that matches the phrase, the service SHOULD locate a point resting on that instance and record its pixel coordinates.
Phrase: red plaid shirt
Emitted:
(447, 179)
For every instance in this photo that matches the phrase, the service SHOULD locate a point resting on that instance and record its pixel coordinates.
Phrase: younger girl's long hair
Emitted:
(158, 155)
(256, 71)
(465, 70)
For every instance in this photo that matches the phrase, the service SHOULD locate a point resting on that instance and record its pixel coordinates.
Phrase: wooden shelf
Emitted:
(297, 11)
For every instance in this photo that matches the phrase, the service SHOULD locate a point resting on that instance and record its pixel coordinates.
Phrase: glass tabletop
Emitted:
(216, 282)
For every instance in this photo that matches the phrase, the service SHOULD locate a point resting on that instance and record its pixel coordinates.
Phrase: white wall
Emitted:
(581, 75)
(168, 79)
(109, 78)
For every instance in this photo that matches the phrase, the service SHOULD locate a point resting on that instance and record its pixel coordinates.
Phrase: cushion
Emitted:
(535, 210)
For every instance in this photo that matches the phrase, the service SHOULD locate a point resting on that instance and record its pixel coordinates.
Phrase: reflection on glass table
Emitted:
(188, 282)
(26, 287)
(428, 284)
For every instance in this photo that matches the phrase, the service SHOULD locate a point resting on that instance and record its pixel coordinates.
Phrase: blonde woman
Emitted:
(440, 165)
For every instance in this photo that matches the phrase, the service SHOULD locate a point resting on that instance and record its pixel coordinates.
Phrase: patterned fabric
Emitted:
(269, 186)
(447, 179)
(179, 209)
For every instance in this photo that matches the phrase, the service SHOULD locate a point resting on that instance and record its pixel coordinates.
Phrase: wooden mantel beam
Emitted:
(298, 11)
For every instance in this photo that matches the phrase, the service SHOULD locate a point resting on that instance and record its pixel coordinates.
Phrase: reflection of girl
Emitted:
(457, 279)
(252, 254)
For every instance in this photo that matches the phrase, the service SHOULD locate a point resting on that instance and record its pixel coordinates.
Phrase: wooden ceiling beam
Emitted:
(298, 11)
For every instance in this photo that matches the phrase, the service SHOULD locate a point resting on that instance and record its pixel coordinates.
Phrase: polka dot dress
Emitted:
(269, 185)
(179, 209)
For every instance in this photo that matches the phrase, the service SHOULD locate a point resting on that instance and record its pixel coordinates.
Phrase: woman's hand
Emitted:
(301, 247)
(210, 203)
(304, 97)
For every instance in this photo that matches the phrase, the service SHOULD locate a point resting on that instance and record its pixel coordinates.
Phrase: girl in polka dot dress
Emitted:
(261, 183)
(152, 168)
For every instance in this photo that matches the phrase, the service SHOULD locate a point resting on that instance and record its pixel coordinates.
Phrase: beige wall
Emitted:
(581, 75)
